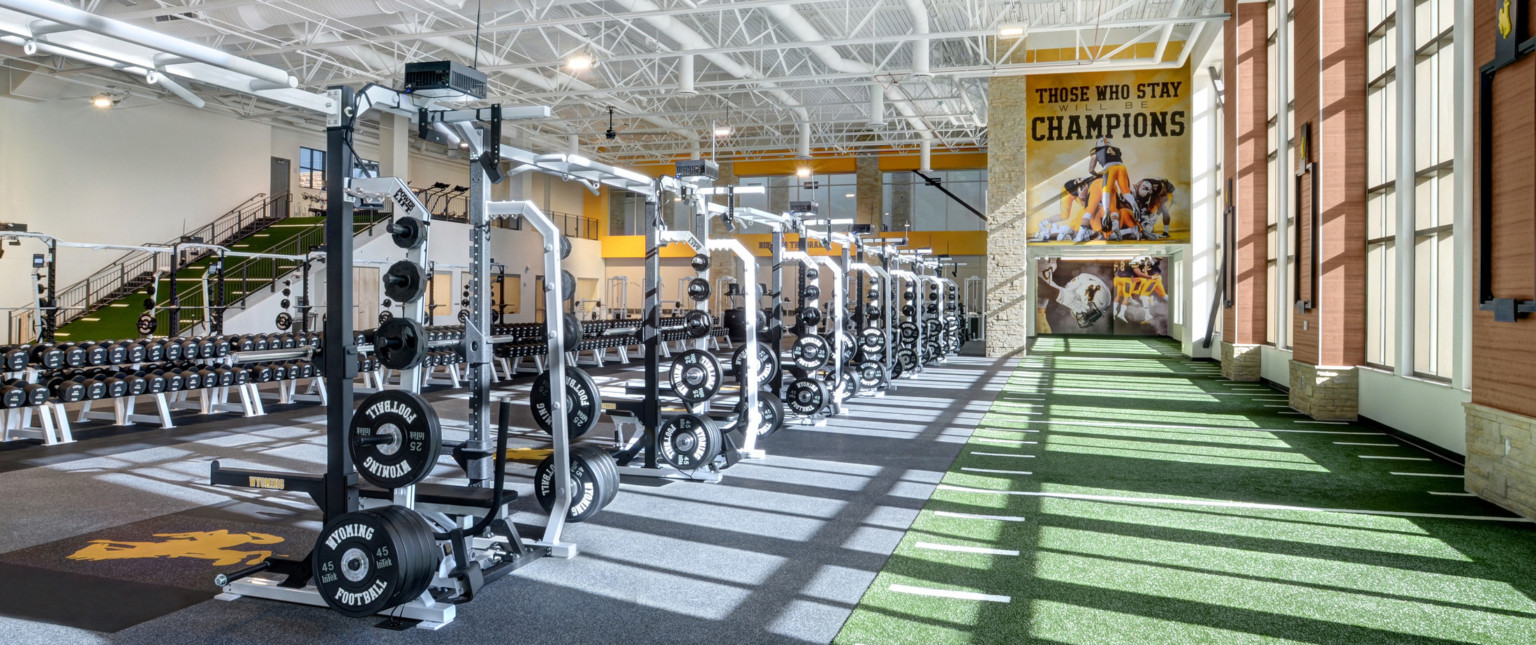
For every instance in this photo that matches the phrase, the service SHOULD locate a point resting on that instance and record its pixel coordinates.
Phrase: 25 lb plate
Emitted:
(395, 438)
(583, 403)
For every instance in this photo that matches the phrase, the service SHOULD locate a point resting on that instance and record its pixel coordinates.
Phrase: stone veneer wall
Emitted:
(1501, 458)
(1009, 309)
(1325, 393)
(868, 192)
(1242, 362)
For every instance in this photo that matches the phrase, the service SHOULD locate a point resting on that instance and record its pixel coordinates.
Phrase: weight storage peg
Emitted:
(400, 343)
(405, 281)
(408, 232)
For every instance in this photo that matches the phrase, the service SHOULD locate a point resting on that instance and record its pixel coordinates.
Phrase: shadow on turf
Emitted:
(1498, 552)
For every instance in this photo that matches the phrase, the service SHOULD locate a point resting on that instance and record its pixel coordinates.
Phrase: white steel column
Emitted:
(1461, 231)
(1407, 162)
(1283, 305)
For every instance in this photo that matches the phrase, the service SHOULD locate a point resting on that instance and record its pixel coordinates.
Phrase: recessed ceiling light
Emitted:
(723, 131)
(103, 101)
(580, 63)
(1011, 31)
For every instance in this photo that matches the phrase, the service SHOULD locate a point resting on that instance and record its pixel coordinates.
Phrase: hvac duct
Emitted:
(805, 141)
(925, 156)
(876, 107)
(685, 76)
(921, 53)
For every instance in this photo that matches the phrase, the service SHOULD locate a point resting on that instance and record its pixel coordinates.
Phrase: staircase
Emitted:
(135, 270)
(196, 286)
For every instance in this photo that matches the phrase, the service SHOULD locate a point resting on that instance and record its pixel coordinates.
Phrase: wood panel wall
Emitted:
(1504, 354)
(1251, 170)
(1330, 94)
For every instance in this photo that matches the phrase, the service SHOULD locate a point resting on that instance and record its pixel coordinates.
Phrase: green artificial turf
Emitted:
(1114, 420)
(119, 319)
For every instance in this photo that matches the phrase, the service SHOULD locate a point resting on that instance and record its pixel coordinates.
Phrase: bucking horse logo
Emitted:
(218, 546)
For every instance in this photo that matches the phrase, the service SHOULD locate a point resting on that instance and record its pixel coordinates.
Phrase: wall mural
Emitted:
(1109, 297)
(1108, 157)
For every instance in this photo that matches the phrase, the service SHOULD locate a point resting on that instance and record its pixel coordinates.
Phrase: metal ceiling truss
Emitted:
(767, 68)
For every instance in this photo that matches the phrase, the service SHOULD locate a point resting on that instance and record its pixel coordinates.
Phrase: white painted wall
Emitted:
(1276, 365)
(128, 175)
(1425, 409)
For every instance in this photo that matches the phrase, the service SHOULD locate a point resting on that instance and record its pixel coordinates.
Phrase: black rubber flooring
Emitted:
(780, 551)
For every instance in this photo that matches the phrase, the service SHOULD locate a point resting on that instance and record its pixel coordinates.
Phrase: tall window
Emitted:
(909, 199)
(1434, 188)
(1381, 183)
(1433, 133)
(311, 168)
(1281, 177)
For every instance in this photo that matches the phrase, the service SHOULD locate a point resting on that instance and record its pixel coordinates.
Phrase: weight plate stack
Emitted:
(695, 375)
(806, 397)
(767, 363)
(689, 441)
(365, 562)
(770, 413)
(594, 482)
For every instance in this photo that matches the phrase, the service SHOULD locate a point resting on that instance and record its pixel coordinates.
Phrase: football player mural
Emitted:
(1122, 297)
(1108, 157)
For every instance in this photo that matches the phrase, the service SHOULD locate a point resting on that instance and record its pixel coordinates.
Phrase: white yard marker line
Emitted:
(1450, 494)
(1277, 405)
(1350, 443)
(999, 472)
(1427, 475)
(946, 593)
(1288, 412)
(1001, 454)
(1225, 504)
(1327, 423)
(971, 516)
(1394, 458)
(964, 549)
(1165, 426)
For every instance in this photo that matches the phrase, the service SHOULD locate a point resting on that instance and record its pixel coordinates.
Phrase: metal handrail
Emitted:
(136, 267)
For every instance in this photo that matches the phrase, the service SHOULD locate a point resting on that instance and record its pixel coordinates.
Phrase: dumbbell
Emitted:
(260, 372)
(96, 353)
(154, 383)
(48, 355)
(15, 358)
(66, 390)
(13, 393)
(137, 384)
(173, 380)
(136, 351)
(207, 347)
(154, 351)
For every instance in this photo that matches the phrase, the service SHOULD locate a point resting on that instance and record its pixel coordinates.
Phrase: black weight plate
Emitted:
(582, 401)
(810, 352)
(698, 289)
(698, 323)
(571, 332)
(607, 470)
(420, 555)
(808, 317)
(284, 321)
(688, 441)
(384, 316)
(770, 413)
(565, 247)
(356, 563)
(415, 438)
(872, 375)
(872, 340)
(908, 359)
(846, 346)
(806, 396)
(586, 484)
(694, 375)
(147, 324)
(567, 285)
(847, 386)
(408, 232)
(400, 343)
(767, 363)
(463, 316)
(811, 292)
(700, 262)
(405, 281)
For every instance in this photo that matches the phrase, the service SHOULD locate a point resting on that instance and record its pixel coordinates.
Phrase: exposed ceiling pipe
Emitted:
(689, 39)
(55, 15)
(466, 51)
(695, 150)
(156, 78)
(685, 76)
(876, 107)
(925, 156)
(573, 144)
(798, 26)
(920, 48)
